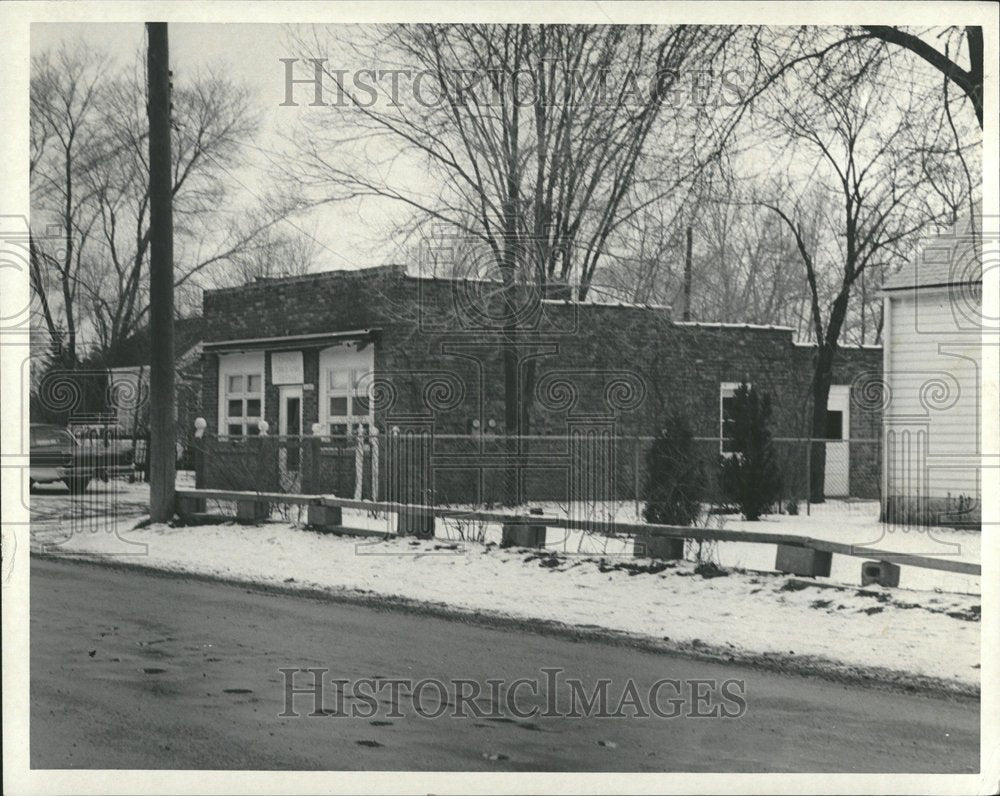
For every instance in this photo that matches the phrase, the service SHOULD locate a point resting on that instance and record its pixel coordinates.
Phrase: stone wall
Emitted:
(594, 372)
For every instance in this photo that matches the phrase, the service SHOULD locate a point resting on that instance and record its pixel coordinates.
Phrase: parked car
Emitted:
(57, 455)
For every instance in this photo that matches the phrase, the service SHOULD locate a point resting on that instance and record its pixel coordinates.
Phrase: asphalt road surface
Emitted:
(131, 670)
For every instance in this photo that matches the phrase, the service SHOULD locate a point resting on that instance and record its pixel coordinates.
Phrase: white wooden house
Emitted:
(932, 363)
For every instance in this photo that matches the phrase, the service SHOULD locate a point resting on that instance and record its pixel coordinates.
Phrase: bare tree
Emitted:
(968, 79)
(745, 267)
(536, 139)
(863, 134)
(90, 171)
(64, 137)
(274, 254)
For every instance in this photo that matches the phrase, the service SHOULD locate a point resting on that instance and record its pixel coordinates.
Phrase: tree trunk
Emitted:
(822, 377)
(512, 404)
(511, 388)
(687, 277)
(817, 448)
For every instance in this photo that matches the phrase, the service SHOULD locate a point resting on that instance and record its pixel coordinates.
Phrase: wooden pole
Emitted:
(162, 450)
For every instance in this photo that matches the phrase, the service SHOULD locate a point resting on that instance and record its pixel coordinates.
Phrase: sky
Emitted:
(354, 235)
(347, 236)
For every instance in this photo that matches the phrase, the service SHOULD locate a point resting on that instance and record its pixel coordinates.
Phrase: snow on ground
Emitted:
(857, 523)
(845, 521)
(592, 582)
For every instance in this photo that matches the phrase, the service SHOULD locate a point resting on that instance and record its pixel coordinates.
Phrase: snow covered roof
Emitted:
(857, 346)
(952, 258)
(717, 325)
(602, 302)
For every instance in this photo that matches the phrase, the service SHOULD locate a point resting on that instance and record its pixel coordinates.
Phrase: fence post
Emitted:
(188, 506)
(635, 476)
(359, 461)
(197, 444)
(375, 457)
(408, 479)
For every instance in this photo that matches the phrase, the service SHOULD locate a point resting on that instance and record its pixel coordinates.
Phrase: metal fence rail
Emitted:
(422, 466)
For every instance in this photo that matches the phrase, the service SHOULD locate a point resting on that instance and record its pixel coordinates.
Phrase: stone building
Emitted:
(395, 378)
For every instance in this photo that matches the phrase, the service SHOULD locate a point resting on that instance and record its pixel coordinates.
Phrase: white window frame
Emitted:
(358, 365)
(727, 389)
(352, 418)
(243, 366)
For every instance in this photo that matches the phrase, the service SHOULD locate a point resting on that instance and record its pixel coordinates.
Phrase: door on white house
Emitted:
(837, 475)
(290, 428)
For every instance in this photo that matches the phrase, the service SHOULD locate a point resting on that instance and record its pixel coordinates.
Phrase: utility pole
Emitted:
(687, 278)
(162, 444)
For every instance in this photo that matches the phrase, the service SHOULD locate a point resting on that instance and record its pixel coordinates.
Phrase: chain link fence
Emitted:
(594, 473)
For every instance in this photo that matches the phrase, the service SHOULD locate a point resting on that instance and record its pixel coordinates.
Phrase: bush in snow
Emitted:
(674, 476)
(750, 477)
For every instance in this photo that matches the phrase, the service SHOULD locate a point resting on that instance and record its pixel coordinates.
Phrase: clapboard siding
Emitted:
(933, 375)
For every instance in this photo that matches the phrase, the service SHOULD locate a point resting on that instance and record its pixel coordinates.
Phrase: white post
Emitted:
(375, 454)
(359, 460)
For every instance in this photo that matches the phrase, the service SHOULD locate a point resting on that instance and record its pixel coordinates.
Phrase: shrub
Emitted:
(674, 476)
(750, 477)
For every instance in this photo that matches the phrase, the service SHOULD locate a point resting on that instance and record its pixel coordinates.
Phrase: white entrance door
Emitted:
(837, 476)
(290, 429)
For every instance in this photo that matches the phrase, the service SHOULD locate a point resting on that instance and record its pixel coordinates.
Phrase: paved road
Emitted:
(130, 670)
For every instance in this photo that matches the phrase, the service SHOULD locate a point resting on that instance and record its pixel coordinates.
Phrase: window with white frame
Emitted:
(348, 403)
(727, 404)
(241, 398)
(346, 371)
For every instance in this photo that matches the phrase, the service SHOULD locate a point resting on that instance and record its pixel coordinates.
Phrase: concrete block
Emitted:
(667, 547)
(803, 561)
(881, 572)
(187, 506)
(324, 517)
(252, 510)
(519, 535)
(415, 523)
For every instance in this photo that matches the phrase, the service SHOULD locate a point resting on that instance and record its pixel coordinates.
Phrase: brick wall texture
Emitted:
(596, 372)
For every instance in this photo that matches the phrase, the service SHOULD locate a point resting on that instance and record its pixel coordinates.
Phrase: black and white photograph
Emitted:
(503, 397)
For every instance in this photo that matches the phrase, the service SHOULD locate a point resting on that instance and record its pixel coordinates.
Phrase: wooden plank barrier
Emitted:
(602, 527)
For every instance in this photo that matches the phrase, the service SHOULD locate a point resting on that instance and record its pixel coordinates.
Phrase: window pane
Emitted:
(252, 430)
(360, 380)
(834, 424)
(253, 407)
(339, 380)
(360, 389)
(253, 383)
(235, 408)
(235, 384)
(234, 429)
(338, 429)
(338, 407)
(728, 401)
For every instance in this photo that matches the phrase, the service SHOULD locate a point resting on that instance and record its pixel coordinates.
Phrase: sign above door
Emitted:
(286, 367)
